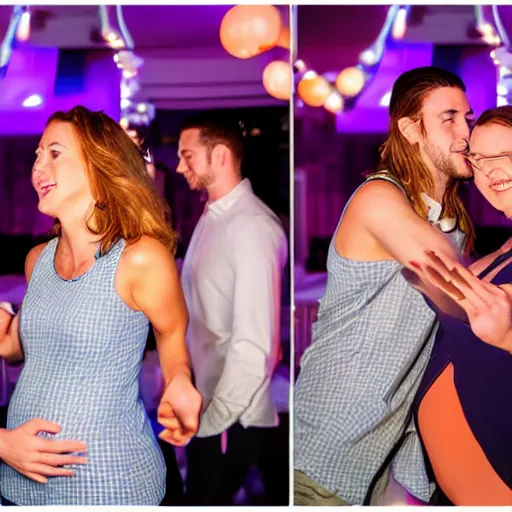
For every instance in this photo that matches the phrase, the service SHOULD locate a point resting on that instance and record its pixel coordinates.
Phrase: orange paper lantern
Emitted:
(277, 79)
(334, 102)
(351, 81)
(313, 89)
(248, 30)
(284, 38)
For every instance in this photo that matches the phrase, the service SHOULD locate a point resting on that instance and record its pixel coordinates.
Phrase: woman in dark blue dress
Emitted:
(463, 409)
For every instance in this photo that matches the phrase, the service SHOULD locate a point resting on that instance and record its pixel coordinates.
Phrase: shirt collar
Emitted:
(223, 204)
(446, 224)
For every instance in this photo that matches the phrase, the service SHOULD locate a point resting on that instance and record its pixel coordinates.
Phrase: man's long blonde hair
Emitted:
(403, 160)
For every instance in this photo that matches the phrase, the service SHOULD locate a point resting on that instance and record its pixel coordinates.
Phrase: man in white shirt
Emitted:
(232, 283)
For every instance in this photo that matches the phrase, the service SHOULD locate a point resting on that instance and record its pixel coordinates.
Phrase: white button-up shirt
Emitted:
(231, 279)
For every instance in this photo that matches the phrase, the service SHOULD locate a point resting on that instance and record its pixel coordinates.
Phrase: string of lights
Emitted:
(118, 38)
(249, 30)
(340, 93)
(133, 113)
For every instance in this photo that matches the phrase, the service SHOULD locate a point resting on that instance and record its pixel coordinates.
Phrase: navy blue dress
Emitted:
(483, 380)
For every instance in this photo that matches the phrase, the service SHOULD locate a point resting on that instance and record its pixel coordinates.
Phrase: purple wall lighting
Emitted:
(473, 65)
(34, 100)
(369, 114)
(34, 72)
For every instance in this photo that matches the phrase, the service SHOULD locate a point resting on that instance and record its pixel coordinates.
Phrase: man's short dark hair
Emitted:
(218, 128)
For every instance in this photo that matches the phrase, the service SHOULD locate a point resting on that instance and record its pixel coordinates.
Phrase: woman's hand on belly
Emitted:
(37, 458)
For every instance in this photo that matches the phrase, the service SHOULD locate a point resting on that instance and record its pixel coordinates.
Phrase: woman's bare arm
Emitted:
(10, 345)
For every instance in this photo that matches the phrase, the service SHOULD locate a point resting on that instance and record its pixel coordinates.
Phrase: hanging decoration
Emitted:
(23, 29)
(277, 79)
(346, 87)
(494, 33)
(313, 89)
(486, 27)
(350, 81)
(400, 23)
(334, 102)
(284, 38)
(341, 92)
(250, 30)
(133, 113)
(7, 45)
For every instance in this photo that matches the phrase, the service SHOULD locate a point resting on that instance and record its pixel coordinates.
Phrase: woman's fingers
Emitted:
(170, 423)
(443, 266)
(440, 282)
(36, 425)
(165, 409)
(60, 460)
(53, 446)
(507, 289)
(478, 293)
(38, 478)
(43, 469)
(442, 259)
(174, 437)
(456, 271)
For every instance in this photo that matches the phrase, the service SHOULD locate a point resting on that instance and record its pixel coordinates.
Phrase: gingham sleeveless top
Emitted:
(352, 402)
(83, 350)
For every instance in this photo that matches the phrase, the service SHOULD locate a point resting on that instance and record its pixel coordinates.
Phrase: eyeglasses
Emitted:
(481, 162)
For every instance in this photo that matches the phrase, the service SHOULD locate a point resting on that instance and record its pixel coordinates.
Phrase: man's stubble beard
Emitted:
(203, 182)
(207, 180)
(443, 163)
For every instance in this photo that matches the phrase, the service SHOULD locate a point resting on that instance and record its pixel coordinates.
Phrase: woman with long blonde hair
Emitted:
(92, 291)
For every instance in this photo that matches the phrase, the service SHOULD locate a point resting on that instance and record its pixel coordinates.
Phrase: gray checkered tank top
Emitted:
(371, 344)
(83, 350)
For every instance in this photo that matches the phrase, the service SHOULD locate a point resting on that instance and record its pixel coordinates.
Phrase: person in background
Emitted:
(231, 279)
